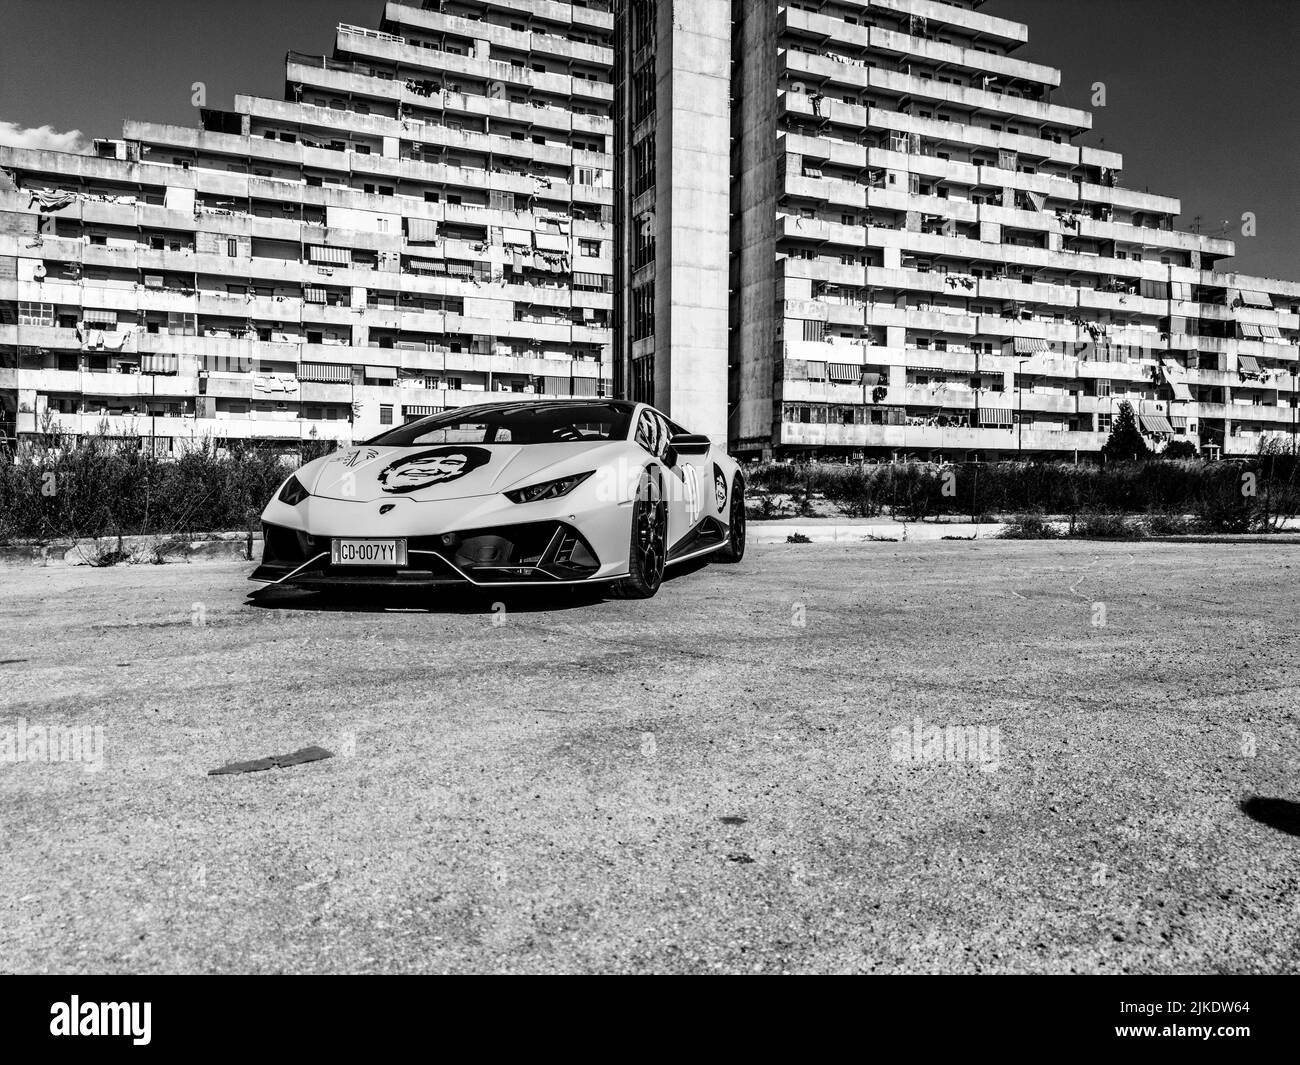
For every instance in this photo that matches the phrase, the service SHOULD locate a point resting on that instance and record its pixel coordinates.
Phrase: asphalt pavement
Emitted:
(883, 757)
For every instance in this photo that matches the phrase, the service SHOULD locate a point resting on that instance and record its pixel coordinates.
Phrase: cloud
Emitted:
(46, 138)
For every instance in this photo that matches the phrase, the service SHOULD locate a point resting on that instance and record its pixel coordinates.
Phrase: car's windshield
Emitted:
(522, 423)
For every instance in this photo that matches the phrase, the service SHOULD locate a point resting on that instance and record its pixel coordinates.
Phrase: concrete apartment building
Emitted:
(673, 203)
(425, 220)
(925, 264)
(839, 229)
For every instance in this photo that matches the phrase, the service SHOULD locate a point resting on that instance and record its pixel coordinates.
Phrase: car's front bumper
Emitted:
(555, 546)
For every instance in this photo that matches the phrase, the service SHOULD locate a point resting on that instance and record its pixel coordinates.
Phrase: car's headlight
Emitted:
(293, 492)
(561, 486)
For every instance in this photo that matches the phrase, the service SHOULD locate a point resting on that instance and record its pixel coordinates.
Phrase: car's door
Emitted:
(695, 471)
(653, 433)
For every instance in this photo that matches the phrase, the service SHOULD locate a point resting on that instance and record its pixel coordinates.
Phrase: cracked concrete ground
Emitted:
(728, 777)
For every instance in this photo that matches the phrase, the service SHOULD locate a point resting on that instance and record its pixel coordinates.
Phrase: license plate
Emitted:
(368, 552)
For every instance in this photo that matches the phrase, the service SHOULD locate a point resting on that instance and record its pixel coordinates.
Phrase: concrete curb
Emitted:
(764, 532)
(139, 549)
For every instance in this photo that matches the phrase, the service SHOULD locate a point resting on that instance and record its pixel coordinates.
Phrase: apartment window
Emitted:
(385, 414)
(589, 248)
(232, 247)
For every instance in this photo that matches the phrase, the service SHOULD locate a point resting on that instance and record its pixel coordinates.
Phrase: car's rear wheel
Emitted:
(734, 549)
(648, 547)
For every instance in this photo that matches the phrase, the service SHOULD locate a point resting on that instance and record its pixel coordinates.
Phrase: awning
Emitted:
(871, 379)
(1256, 299)
(459, 269)
(158, 363)
(551, 242)
(419, 411)
(1181, 392)
(556, 386)
(324, 371)
(520, 237)
(1031, 346)
(320, 253)
(1037, 199)
(383, 373)
(313, 295)
(816, 371)
(1248, 364)
(98, 318)
(1156, 423)
(1250, 332)
(844, 372)
(421, 230)
(1270, 332)
(427, 266)
(584, 386)
(1177, 422)
(994, 417)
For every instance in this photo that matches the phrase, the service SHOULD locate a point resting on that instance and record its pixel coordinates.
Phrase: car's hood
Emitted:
(365, 473)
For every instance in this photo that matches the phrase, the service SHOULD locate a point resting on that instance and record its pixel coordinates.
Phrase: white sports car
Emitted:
(533, 492)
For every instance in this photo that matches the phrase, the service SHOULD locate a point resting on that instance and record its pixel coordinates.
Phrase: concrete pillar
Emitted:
(693, 203)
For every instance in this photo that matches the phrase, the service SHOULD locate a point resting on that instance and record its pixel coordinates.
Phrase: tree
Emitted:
(1179, 449)
(1125, 443)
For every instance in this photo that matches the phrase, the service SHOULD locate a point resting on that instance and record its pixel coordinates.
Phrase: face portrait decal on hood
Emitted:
(437, 465)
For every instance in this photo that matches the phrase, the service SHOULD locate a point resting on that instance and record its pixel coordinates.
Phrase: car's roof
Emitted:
(544, 404)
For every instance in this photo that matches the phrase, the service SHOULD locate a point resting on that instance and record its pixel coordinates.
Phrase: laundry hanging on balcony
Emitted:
(49, 202)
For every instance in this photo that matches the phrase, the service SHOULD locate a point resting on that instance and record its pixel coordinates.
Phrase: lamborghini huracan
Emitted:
(532, 492)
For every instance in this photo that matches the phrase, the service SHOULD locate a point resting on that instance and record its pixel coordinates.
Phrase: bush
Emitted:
(1167, 523)
(1179, 449)
(1106, 525)
(915, 491)
(797, 538)
(1029, 526)
(104, 485)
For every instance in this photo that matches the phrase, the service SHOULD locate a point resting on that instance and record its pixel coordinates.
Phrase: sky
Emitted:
(1201, 94)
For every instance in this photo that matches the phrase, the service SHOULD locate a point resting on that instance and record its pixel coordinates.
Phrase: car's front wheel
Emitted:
(734, 549)
(648, 548)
